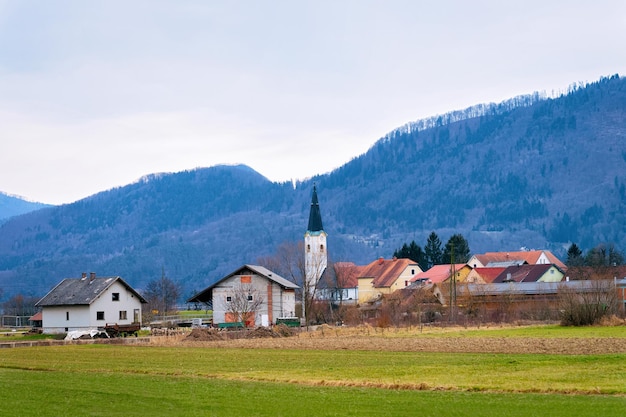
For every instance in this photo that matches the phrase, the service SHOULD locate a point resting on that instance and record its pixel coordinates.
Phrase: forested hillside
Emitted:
(14, 206)
(531, 172)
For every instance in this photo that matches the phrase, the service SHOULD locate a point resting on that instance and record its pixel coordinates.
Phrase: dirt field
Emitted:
(337, 339)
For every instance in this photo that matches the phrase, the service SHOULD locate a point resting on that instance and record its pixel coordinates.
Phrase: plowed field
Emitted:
(340, 340)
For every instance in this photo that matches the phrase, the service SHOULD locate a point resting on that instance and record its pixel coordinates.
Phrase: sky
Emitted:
(96, 94)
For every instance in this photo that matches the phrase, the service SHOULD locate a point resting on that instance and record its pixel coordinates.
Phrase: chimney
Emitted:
(92, 276)
(381, 260)
(83, 276)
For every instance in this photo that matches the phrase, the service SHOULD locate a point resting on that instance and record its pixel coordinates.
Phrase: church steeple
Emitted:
(315, 257)
(315, 217)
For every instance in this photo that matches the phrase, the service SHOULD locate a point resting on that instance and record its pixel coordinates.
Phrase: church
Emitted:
(316, 249)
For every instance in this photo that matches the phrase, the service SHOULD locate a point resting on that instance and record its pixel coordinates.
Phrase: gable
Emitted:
(205, 295)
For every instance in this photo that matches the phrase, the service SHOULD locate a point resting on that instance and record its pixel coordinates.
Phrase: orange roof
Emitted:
(385, 271)
(347, 274)
(438, 273)
(37, 317)
(489, 274)
(531, 257)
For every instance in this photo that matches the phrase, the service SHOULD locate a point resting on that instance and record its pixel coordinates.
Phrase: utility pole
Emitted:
(452, 285)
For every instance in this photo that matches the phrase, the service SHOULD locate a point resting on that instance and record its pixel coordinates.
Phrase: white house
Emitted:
(89, 303)
(267, 296)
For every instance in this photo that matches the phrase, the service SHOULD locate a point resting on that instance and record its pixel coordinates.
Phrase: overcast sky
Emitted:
(96, 94)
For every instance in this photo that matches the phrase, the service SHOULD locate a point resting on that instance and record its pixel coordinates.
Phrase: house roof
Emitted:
(206, 294)
(347, 274)
(523, 273)
(37, 317)
(385, 271)
(82, 291)
(530, 257)
(438, 273)
(489, 274)
(315, 217)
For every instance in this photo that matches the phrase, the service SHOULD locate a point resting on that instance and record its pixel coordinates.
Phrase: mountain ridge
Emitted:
(540, 174)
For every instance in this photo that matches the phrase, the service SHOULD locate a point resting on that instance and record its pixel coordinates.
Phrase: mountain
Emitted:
(530, 172)
(14, 206)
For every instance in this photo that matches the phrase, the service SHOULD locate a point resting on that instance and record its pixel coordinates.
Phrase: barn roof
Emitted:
(206, 294)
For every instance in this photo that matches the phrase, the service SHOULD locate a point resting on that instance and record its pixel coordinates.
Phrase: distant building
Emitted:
(384, 276)
(315, 246)
(505, 259)
(274, 297)
(89, 303)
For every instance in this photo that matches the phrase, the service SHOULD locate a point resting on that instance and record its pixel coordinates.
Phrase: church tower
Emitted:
(316, 257)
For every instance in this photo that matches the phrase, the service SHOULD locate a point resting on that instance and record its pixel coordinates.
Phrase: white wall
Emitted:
(55, 318)
(127, 302)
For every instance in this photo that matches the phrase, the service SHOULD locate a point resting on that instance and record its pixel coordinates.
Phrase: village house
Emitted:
(89, 303)
(505, 259)
(384, 276)
(251, 295)
(442, 273)
(339, 284)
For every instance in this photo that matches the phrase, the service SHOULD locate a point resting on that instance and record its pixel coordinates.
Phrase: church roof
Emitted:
(315, 217)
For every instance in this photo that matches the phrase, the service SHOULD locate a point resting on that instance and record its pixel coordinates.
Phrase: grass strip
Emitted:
(566, 374)
(61, 393)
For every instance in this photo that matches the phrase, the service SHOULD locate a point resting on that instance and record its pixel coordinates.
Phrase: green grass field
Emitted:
(111, 380)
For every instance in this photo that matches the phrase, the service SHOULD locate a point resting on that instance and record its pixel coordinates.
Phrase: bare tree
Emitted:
(587, 304)
(20, 305)
(162, 294)
(421, 302)
(244, 303)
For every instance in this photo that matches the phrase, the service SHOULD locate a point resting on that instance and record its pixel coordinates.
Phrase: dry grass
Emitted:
(498, 339)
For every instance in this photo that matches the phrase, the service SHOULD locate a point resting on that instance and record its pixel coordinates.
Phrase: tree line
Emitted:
(456, 250)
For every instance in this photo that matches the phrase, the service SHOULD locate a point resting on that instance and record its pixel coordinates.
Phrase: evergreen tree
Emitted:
(414, 252)
(461, 250)
(574, 256)
(403, 252)
(433, 250)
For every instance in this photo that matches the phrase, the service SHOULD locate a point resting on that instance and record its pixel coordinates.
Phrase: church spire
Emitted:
(315, 217)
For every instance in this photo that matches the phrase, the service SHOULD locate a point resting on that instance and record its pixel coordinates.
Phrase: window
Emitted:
(116, 296)
(67, 315)
(322, 248)
(229, 299)
(308, 248)
(123, 315)
(249, 298)
(99, 315)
